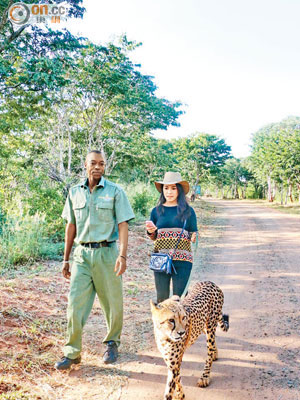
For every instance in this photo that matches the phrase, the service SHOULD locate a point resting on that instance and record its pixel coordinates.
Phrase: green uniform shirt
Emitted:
(97, 214)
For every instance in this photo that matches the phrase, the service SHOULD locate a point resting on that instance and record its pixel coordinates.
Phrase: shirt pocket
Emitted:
(79, 208)
(105, 210)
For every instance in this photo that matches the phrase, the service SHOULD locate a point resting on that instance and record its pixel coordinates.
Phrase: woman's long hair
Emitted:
(183, 210)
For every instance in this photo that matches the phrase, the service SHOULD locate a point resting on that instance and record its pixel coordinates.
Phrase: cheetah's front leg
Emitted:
(179, 395)
(174, 388)
(211, 354)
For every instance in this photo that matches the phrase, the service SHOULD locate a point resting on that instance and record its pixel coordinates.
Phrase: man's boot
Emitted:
(66, 363)
(111, 352)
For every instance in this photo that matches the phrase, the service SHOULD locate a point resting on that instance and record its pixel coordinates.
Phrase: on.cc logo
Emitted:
(19, 13)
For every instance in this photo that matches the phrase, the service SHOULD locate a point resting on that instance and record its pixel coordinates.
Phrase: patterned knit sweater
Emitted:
(169, 227)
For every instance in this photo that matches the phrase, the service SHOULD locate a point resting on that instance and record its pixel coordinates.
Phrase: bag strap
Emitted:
(184, 224)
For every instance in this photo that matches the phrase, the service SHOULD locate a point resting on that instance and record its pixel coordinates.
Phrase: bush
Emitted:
(34, 193)
(24, 239)
(143, 197)
(140, 202)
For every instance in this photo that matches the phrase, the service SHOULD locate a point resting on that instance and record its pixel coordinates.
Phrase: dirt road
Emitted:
(256, 262)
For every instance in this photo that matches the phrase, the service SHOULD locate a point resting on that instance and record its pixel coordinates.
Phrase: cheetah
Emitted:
(177, 325)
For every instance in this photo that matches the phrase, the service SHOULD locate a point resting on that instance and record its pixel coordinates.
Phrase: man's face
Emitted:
(95, 166)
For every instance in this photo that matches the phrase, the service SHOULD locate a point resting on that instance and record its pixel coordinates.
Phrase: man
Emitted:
(97, 213)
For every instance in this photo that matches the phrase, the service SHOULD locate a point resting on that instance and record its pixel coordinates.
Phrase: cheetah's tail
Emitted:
(224, 322)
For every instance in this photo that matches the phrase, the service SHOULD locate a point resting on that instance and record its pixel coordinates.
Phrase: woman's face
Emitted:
(170, 192)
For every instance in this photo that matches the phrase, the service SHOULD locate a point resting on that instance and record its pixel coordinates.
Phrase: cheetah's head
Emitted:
(169, 319)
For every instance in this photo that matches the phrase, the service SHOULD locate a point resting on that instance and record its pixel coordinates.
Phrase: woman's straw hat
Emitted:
(172, 178)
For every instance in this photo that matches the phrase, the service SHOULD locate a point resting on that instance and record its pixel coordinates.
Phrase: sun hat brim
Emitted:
(185, 185)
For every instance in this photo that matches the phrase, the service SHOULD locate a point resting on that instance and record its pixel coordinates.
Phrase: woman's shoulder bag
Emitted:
(161, 262)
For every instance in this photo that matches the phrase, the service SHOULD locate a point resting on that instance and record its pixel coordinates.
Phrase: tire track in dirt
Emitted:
(256, 263)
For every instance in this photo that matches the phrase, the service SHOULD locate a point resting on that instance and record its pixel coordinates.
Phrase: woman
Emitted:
(165, 225)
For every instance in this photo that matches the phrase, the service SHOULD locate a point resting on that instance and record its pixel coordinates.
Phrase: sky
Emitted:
(234, 64)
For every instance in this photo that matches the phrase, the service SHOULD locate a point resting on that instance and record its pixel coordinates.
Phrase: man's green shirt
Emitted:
(97, 214)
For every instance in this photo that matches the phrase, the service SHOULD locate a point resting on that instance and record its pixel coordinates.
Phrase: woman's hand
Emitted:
(193, 237)
(150, 226)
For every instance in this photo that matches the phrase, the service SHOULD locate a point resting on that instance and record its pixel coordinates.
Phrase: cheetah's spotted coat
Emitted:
(177, 325)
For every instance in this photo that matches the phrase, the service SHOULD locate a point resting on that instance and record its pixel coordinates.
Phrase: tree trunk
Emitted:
(236, 192)
(270, 199)
(193, 194)
(274, 189)
(244, 190)
(287, 191)
(69, 151)
(281, 194)
(291, 193)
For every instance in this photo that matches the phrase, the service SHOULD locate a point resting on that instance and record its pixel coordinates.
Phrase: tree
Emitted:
(262, 157)
(275, 156)
(237, 177)
(33, 63)
(33, 58)
(201, 155)
(109, 105)
(118, 103)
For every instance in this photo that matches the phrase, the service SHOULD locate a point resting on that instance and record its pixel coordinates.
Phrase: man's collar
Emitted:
(100, 184)
(85, 183)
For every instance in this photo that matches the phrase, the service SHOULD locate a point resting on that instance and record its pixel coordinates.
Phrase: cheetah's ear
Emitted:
(175, 298)
(153, 306)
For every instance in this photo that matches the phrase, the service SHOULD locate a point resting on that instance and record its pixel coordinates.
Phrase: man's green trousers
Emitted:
(93, 272)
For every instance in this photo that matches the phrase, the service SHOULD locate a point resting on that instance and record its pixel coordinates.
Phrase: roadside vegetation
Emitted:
(289, 208)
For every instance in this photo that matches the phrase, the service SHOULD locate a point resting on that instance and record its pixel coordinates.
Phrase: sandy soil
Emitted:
(256, 263)
(252, 252)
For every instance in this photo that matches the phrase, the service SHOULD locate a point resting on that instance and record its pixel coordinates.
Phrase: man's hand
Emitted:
(66, 270)
(120, 266)
(69, 240)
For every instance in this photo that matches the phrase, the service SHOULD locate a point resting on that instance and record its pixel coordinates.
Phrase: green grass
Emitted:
(24, 240)
(15, 395)
(289, 208)
(12, 391)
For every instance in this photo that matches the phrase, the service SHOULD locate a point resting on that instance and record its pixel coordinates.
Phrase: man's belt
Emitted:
(97, 245)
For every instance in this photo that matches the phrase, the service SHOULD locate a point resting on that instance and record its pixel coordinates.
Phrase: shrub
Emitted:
(24, 239)
(143, 197)
(140, 202)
